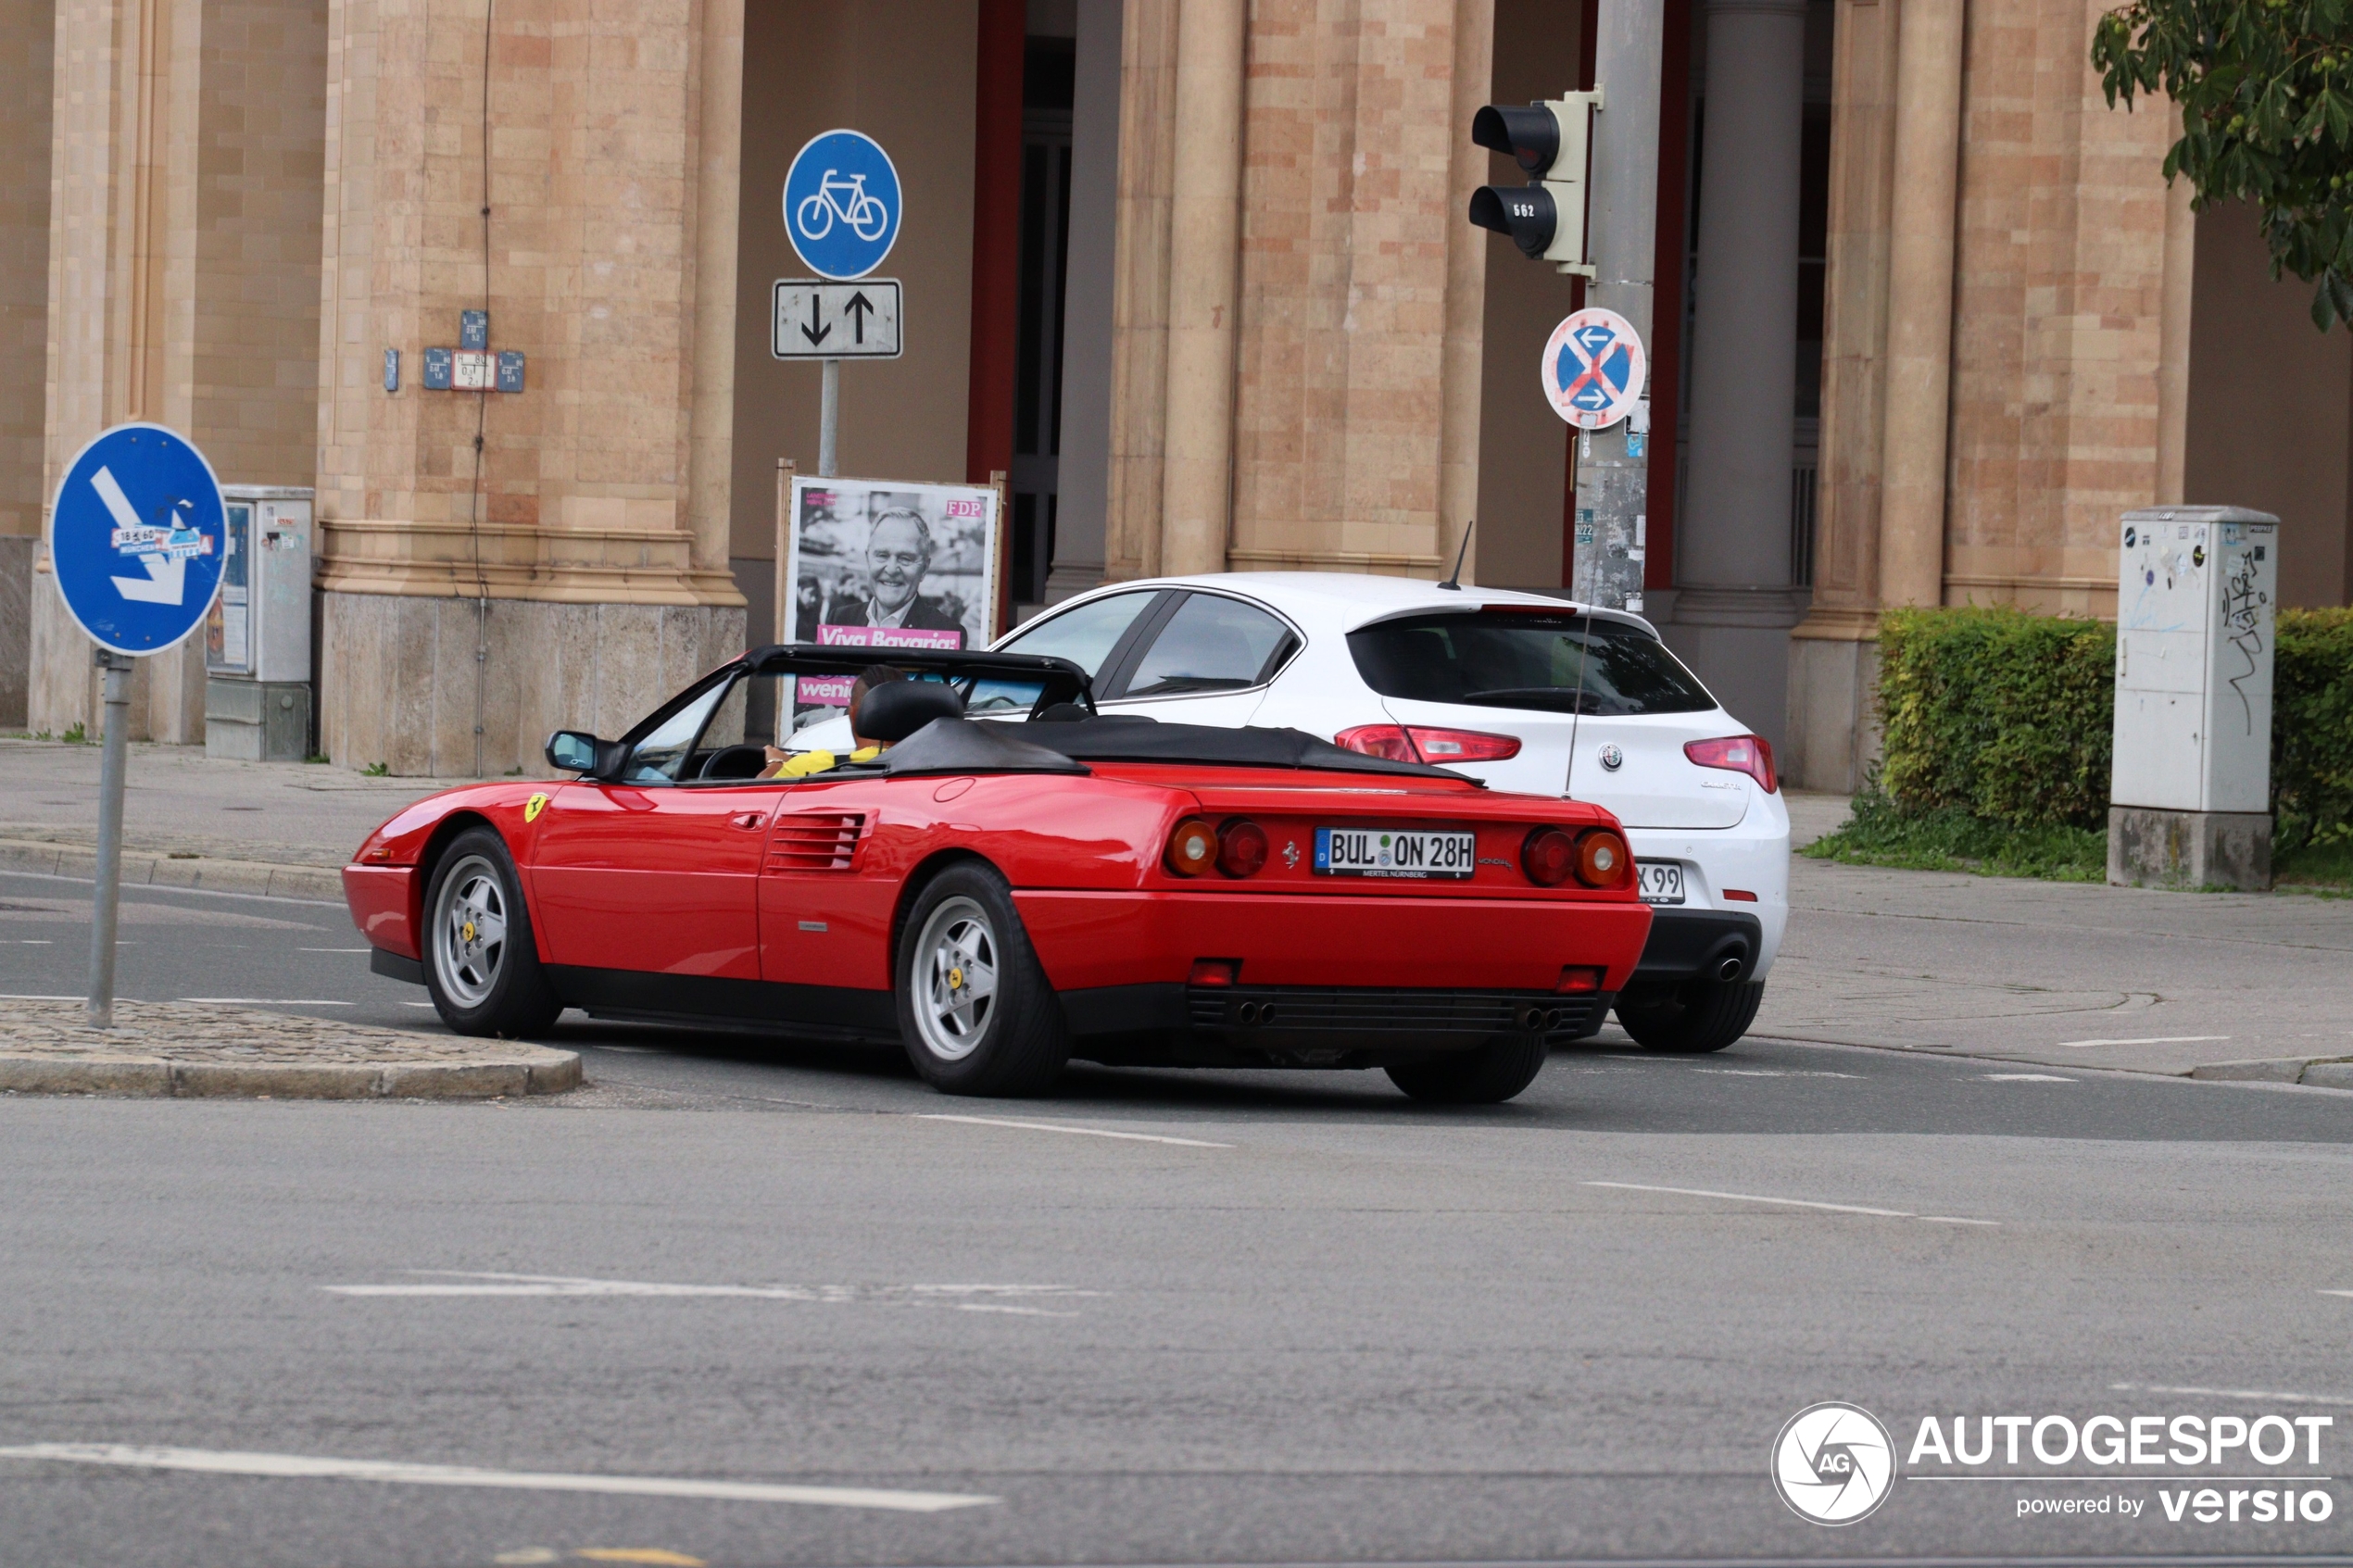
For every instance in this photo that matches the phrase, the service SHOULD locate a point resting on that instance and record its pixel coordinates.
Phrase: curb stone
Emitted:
(147, 869)
(545, 1072)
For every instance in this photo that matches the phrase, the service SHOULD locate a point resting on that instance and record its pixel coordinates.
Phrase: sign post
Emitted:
(137, 540)
(1595, 367)
(842, 212)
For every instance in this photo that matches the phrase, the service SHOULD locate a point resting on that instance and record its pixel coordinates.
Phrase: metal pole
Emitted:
(1613, 482)
(105, 901)
(829, 419)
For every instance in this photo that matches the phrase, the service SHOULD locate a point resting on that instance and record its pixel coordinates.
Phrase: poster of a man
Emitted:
(883, 564)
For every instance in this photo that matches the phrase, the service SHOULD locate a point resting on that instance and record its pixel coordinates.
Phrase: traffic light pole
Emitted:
(1613, 464)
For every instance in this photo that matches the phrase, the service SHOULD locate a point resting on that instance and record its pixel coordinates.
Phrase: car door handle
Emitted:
(750, 819)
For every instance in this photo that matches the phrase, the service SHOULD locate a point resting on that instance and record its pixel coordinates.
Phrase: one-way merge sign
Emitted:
(822, 321)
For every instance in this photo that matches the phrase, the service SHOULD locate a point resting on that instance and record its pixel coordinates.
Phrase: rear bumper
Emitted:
(1697, 944)
(1312, 1026)
(1393, 941)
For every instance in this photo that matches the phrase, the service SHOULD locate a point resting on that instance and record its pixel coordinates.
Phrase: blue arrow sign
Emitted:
(136, 538)
(842, 204)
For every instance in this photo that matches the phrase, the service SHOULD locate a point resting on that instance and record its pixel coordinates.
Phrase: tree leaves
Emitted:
(2266, 94)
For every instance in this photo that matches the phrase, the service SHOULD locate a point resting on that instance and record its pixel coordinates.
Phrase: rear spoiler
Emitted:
(1060, 680)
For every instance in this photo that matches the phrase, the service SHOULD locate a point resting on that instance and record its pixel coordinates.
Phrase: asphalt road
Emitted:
(1276, 1317)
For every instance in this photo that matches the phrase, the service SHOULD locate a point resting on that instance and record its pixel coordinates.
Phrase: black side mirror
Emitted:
(577, 751)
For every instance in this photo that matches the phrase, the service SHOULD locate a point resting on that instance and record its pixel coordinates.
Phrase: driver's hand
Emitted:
(776, 758)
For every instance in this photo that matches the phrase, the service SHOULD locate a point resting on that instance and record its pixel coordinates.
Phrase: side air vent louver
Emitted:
(820, 841)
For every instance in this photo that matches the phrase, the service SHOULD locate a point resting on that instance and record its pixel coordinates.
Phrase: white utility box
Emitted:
(257, 638)
(2190, 792)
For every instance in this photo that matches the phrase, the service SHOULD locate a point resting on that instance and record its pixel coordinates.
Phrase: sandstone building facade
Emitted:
(1194, 272)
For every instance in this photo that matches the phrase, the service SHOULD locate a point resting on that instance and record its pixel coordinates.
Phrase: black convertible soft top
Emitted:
(965, 746)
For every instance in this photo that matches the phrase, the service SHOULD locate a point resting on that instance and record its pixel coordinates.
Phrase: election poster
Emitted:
(884, 564)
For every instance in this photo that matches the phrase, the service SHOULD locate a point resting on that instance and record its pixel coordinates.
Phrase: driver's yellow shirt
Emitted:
(809, 762)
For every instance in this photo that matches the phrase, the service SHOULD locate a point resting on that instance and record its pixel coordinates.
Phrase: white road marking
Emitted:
(1057, 1127)
(1774, 1072)
(331, 949)
(265, 1002)
(462, 1282)
(216, 1462)
(416, 1004)
(2152, 1040)
(2239, 1393)
(2024, 1078)
(21, 996)
(1794, 1203)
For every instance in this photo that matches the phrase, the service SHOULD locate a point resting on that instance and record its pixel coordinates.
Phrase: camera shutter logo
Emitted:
(1834, 1463)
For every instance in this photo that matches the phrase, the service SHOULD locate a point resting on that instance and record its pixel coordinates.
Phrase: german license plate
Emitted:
(1662, 881)
(1386, 852)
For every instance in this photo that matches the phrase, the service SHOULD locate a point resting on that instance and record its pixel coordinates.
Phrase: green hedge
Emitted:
(2007, 716)
(2313, 728)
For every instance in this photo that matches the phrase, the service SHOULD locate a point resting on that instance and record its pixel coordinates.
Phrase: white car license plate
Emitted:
(1386, 852)
(1662, 881)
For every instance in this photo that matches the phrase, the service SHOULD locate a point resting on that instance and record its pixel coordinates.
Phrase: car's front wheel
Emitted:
(482, 966)
(1490, 1075)
(1691, 1018)
(975, 1009)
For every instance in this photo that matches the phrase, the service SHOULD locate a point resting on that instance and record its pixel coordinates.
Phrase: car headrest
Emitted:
(896, 709)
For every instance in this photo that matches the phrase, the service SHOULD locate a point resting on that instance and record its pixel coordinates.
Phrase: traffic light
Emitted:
(1546, 217)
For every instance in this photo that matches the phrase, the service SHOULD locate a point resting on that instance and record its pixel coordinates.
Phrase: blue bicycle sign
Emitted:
(842, 204)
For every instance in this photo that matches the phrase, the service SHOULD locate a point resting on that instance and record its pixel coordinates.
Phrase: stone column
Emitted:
(26, 87)
(1139, 288)
(568, 576)
(1919, 310)
(1204, 235)
(184, 270)
(1734, 613)
(1085, 476)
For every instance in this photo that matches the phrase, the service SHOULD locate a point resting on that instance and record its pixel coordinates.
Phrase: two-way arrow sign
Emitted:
(822, 321)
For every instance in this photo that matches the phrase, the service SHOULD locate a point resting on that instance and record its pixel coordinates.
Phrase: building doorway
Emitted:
(1048, 78)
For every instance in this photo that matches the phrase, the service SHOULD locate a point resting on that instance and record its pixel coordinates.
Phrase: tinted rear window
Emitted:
(1495, 659)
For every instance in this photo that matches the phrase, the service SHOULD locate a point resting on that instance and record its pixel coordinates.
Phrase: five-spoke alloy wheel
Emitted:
(481, 967)
(975, 1009)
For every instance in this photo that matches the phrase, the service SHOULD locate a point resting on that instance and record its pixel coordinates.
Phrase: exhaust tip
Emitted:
(1729, 969)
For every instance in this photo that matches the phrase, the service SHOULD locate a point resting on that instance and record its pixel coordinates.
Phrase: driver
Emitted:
(783, 764)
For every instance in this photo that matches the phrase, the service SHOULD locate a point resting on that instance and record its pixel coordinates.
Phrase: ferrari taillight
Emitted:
(1752, 755)
(1548, 856)
(1581, 977)
(1241, 848)
(1602, 860)
(1427, 743)
(1192, 848)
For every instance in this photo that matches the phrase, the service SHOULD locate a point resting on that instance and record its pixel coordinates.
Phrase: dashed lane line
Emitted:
(1060, 1127)
(217, 1461)
(1794, 1203)
(2236, 1393)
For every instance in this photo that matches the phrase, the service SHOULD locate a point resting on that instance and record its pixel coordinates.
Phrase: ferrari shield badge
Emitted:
(532, 807)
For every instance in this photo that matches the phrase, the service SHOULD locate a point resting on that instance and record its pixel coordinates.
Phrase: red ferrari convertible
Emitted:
(1014, 881)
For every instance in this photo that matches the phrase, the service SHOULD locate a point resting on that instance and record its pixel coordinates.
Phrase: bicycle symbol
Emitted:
(843, 197)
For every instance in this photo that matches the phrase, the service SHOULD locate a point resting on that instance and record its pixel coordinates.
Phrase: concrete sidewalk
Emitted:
(2062, 975)
(189, 820)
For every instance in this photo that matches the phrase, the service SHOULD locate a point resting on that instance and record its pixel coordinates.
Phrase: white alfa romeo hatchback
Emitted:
(1529, 693)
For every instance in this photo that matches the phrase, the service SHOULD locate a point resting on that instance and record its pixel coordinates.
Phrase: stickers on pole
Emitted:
(138, 538)
(842, 204)
(1594, 369)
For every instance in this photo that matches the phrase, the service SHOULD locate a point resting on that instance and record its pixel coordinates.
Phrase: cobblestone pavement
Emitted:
(46, 1046)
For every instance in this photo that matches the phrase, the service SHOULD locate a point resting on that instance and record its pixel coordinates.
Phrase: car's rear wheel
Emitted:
(1692, 1018)
(975, 1009)
(1492, 1073)
(482, 966)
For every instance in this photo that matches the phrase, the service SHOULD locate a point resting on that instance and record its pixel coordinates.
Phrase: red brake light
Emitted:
(1214, 972)
(1378, 740)
(1581, 977)
(1739, 754)
(1602, 860)
(1241, 848)
(1192, 848)
(1548, 856)
(1425, 743)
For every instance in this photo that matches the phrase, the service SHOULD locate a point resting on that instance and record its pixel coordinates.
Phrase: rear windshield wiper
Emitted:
(1563, 698)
